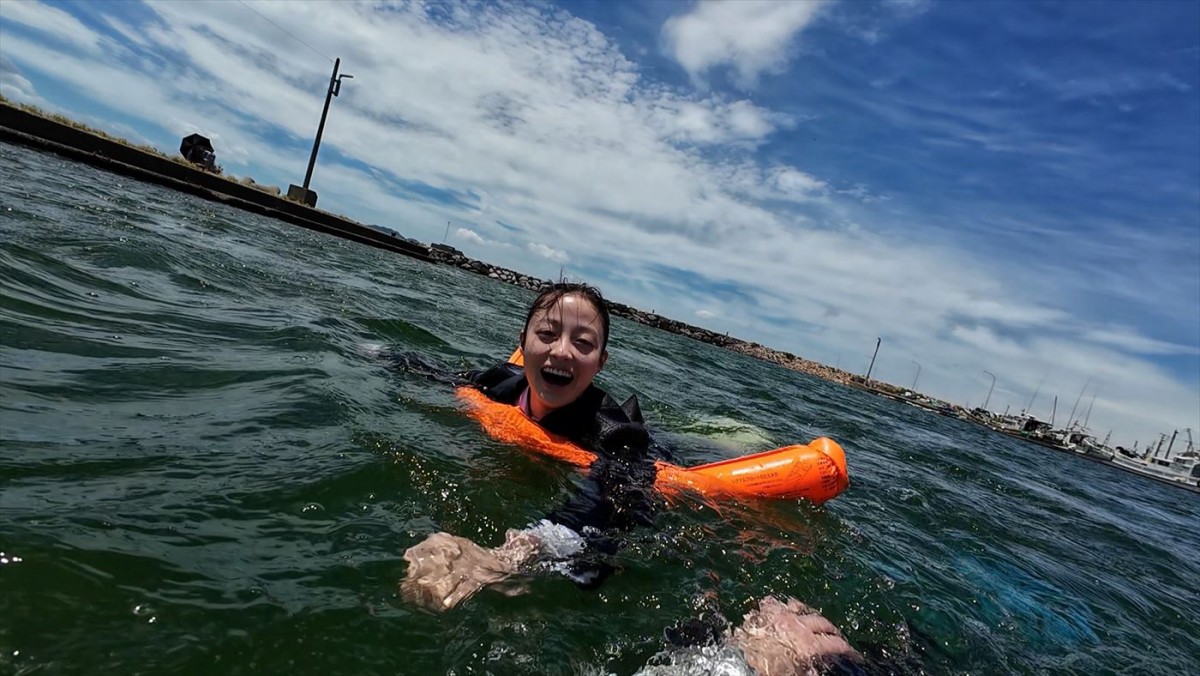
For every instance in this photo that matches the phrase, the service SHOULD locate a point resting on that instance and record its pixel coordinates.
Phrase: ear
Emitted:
(521, 340)
(603, 359)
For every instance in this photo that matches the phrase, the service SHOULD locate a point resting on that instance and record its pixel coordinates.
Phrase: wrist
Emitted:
(521, 549)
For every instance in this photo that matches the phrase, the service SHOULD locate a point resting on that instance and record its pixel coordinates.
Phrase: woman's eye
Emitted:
(584, 344)
(545, 335)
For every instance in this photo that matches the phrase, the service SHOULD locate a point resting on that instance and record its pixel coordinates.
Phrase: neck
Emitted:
(532, 407)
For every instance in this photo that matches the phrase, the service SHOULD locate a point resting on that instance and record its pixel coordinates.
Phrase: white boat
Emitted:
(1078, 440)
(1182, 468)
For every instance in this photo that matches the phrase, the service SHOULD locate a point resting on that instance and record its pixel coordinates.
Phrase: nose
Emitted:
(561, 347)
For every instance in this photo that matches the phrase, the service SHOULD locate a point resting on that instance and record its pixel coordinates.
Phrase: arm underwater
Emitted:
(815, 471)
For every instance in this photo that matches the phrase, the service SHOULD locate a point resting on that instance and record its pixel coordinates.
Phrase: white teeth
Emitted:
(557, 372)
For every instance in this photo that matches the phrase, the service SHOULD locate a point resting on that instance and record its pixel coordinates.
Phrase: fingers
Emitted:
(817, 624)
(788, 638)
(444, 570)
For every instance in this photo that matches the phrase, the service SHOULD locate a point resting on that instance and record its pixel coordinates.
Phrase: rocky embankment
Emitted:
(448, 255)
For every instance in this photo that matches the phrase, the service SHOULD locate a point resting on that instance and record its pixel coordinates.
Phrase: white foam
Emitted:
(720, 660)
(558, 541)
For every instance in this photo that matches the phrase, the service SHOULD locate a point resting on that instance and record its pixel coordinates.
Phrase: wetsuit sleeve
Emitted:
(495, 382)
(419, 364)
(620, 430)
(491, 378)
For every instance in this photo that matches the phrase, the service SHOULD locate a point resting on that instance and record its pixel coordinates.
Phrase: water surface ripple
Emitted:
(200, 472)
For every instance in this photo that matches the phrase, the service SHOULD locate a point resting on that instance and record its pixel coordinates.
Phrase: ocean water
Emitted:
(201, 473)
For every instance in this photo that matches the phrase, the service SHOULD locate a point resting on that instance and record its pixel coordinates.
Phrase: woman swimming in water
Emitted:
(565, 344)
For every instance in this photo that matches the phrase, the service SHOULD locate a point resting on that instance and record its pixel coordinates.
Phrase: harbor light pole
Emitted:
(989, 395)
(916, 377)
(872, 366)
(302, 193)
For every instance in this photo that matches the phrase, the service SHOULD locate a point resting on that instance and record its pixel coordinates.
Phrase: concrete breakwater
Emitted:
(449, 255)
(25, 127)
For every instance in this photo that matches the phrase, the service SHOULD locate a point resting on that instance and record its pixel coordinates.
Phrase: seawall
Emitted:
(26, 128)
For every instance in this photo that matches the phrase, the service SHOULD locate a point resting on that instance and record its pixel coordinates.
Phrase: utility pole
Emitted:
(302, 193)
(989, 394)
(872, 366)
(447, 235)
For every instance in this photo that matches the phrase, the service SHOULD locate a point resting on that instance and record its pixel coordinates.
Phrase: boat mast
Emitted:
(1071, 420)
(1089, 413)
(1029, 406)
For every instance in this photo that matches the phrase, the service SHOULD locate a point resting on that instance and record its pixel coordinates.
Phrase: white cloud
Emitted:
(526, 116)
(748, 120)
(17, 87)
(468, 236)
(752, 36)
(556, 255)
(53, 22)
(1127, 339)
(132, 35)
(793, 182)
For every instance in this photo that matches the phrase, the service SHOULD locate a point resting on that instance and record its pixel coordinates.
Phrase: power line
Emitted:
(292, 35)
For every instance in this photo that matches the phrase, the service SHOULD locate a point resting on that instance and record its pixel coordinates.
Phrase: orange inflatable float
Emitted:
(815, 471)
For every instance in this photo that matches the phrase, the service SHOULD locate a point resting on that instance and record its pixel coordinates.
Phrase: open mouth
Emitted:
(557, 377)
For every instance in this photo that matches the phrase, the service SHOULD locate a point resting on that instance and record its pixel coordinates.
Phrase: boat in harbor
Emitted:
(1024, 426)
(1182, 468)
(1079, 440)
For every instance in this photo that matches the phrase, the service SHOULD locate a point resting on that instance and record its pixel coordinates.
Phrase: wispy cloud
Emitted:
(59, 26)
(15, 86)
(556, 255)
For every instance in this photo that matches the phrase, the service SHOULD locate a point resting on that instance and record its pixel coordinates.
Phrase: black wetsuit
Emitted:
(617, 493)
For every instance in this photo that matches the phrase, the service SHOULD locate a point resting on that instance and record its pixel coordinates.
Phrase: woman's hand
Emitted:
(444, 570)
(789, 638)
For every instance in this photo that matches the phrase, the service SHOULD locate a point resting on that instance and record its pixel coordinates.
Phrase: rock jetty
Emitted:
(448, 255)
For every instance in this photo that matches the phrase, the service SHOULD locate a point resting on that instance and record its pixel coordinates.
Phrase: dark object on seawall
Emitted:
(198, 149)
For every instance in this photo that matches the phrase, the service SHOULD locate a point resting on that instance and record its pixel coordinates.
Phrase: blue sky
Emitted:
(1006, 186)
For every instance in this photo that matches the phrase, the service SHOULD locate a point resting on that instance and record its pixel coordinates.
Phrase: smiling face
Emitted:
(563, 346)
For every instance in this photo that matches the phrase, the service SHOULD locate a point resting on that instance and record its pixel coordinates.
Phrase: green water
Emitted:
(199, 473)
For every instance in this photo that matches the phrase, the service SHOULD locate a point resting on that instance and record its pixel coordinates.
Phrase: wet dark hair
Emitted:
(555, 292)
